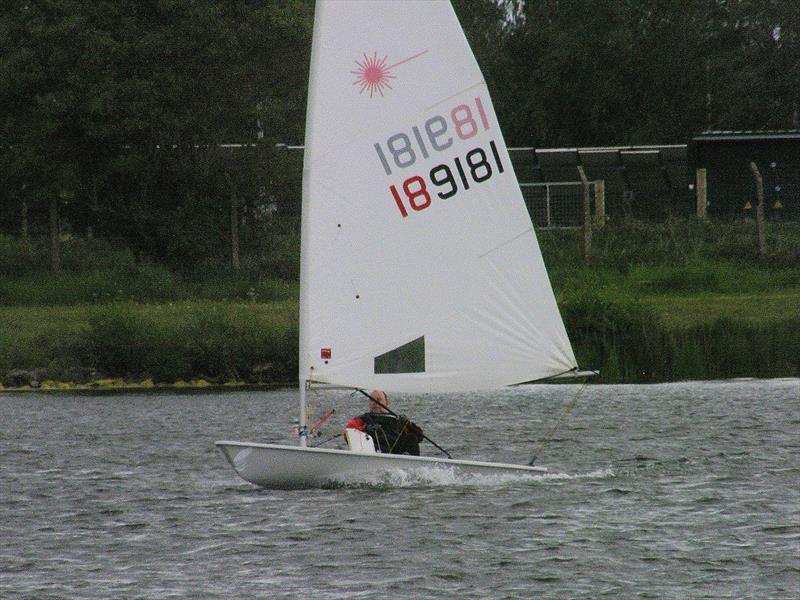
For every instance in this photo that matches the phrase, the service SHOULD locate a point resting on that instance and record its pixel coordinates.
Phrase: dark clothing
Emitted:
(392, 435)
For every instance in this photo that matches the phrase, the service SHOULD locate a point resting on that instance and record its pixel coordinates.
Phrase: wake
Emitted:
(433, 477)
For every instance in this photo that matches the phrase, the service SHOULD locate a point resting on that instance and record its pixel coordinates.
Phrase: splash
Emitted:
(442, 476)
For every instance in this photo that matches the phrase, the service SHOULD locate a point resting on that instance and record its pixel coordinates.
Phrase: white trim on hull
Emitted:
(292, 467)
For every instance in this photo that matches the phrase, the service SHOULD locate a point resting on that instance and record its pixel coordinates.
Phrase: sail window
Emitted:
(408, 358)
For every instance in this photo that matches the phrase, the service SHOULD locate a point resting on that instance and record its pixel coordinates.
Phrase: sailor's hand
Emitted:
(415, 430)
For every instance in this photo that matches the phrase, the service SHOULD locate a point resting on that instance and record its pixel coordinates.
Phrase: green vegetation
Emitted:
(664, 340)
(681, 300)
(163, 124)
(96, 272)
(213, 341)
(686, 300)
(149, 204)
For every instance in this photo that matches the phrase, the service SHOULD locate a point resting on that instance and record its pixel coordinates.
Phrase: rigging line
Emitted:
(333, 437)
(555, 427)
(506, 243)
(322, 421)
(575, 374)
(458, 93)
(315, 430)
(402, 422)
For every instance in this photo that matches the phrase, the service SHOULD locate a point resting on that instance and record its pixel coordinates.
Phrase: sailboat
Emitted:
(420, 269)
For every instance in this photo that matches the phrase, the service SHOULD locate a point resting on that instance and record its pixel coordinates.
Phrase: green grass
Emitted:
(683, 299)
(681, 312)
(146, 283)
(96, 272)
(667, 339)
(712, 278)
(166, 342)
(676, 243)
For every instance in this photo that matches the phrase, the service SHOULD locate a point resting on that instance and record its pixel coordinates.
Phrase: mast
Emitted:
(303, 429)
(305, 232)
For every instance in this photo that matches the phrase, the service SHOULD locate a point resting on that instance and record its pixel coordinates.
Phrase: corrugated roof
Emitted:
(724, 136)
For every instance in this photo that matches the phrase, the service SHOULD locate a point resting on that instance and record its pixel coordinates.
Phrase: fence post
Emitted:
(762, 242)
(547, 204)
(55, 233)
(600, 202)
(587, 216)
(702, 193)
(234, 214)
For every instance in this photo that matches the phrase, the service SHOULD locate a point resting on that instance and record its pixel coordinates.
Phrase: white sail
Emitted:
(420, 269)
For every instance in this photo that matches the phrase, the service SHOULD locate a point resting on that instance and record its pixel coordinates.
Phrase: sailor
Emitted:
(393, 434)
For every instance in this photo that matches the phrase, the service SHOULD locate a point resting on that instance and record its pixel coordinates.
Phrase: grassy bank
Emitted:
(681, 300)
(686, 299)
(646, 340)
(211, 341)
(679, 338)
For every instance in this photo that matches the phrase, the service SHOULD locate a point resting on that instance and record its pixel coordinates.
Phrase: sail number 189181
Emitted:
(475, 167)
(436, 135)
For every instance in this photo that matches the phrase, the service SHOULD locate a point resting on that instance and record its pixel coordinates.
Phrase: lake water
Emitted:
(688, 490)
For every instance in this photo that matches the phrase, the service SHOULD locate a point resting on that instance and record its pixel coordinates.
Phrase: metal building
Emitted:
(726, 156)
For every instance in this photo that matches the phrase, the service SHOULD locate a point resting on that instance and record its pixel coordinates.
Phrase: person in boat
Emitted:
(393, 434)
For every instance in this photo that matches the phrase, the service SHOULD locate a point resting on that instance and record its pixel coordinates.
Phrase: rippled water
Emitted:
(687, 490)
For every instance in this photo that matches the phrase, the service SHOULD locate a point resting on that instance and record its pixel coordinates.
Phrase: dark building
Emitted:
(644, 182)
(726, 156)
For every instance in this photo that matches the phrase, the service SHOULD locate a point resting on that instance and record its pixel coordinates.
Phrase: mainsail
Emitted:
(420, 269)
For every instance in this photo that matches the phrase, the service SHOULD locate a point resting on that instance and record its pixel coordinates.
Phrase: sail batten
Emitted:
(420, 269)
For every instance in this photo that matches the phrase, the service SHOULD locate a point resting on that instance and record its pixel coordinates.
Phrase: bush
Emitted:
(218, 342)
(628, 343)
(20, 256)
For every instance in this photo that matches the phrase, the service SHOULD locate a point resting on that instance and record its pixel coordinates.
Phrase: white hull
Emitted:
(292, 467)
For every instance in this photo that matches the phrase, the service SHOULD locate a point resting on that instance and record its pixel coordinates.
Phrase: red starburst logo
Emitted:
(373, 74)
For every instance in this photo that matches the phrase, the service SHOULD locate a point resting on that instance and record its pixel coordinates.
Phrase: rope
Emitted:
(333, 437)
(555, 427)
(318, 425)
(315, 395)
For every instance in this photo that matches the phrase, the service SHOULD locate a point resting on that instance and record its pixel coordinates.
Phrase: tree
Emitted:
(650, 71)
(115, 110)
(753, 65)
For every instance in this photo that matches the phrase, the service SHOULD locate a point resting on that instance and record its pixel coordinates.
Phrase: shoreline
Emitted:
(184, 387)
(119, 386)
(651, 340)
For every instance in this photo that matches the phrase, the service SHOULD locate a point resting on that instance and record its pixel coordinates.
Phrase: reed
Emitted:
(633, 342)
(168, 342)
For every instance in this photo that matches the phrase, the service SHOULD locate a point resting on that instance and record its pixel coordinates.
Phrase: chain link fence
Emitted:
(645, 186)
(559, 204)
